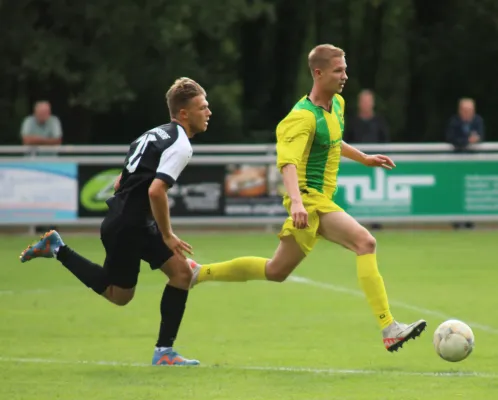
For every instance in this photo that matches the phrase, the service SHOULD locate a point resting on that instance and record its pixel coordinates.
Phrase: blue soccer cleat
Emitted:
(170, 357)
(45, 247)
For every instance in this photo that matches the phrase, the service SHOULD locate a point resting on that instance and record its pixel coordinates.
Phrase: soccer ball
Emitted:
(453, 340)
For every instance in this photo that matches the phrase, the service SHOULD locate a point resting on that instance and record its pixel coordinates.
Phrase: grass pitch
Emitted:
(312, 337)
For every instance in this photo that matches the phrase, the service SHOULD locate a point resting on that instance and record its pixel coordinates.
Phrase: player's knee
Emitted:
(182, 275)
(275, 274)
(119, 296)
(122, 301)
(366, 244)
(186, 275)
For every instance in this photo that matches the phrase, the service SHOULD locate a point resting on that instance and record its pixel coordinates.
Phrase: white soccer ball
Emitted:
(453, 340)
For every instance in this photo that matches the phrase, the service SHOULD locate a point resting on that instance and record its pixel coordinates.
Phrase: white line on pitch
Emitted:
(326, 371)
(357, 293)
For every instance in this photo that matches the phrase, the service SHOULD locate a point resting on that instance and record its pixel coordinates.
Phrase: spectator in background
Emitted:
(466, 127)
(366, 126)
(41, 128)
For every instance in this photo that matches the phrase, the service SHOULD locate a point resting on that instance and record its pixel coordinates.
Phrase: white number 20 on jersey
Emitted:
(142, 142)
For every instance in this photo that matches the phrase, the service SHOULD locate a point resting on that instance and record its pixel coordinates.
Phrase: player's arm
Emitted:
(158, 198)
(172, 162)
(289, 177)
(292, 135)
(353, 153)
(377, 160)
(357, 155)
(116, 182)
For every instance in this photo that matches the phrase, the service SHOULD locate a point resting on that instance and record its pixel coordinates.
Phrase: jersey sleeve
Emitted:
(172, 162)
(292, 135)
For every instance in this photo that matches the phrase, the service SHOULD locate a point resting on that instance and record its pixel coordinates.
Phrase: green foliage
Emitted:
(107, 54)
(106, 61)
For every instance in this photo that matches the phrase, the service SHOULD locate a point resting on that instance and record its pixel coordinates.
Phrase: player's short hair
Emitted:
(320, 56)
(181, 92)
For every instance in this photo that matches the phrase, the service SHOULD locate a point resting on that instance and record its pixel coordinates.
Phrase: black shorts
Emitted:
(126, 246)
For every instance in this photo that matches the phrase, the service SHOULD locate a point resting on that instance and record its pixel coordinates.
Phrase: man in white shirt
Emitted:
(41, 128)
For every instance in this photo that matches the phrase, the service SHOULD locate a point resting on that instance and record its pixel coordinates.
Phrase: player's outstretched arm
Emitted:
(160, 210)
(377, 160)
(353, 153)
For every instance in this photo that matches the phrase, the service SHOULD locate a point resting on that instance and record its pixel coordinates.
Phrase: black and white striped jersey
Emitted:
(162, 152)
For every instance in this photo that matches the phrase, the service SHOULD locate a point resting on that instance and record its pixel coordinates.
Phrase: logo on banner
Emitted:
(384, 190)
(196, 196)
(98, 189)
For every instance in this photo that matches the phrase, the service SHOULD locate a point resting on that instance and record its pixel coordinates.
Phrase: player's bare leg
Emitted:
(173, 303)
(341, 228)
(178, 271)
(119, 296)
(285, 259)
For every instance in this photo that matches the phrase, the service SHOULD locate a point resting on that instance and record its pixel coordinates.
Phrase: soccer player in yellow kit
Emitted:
(309, 148)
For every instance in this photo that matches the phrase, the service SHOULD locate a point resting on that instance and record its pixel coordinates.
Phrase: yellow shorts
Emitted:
(314, 203)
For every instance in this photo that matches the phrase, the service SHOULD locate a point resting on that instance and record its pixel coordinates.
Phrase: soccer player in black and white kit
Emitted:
(137, 226)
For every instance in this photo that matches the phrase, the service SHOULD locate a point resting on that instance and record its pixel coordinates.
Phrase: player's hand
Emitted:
(177, 246)
(299, 215)
(378, 160)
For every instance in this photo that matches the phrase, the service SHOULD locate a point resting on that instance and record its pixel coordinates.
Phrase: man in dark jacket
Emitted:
(366, 126)
(466, 127)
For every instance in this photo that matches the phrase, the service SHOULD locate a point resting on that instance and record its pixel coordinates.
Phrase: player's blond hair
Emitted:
(320, 56)
(180, 93)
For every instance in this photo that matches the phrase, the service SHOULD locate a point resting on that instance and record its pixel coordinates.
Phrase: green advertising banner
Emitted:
(420, 189)
(425, 189)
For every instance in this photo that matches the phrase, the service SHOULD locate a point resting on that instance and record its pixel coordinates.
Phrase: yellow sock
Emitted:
(237, 270)
(373, 286)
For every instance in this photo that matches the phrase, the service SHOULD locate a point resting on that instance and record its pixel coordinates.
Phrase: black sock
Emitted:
(92, 275)
(172, 308)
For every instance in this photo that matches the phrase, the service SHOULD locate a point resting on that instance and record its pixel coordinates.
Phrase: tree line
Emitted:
(105, 65)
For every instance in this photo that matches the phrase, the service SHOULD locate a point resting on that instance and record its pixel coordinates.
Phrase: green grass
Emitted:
(54, 331)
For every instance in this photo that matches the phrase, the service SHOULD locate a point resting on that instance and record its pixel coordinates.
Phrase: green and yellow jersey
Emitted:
(310, 137)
